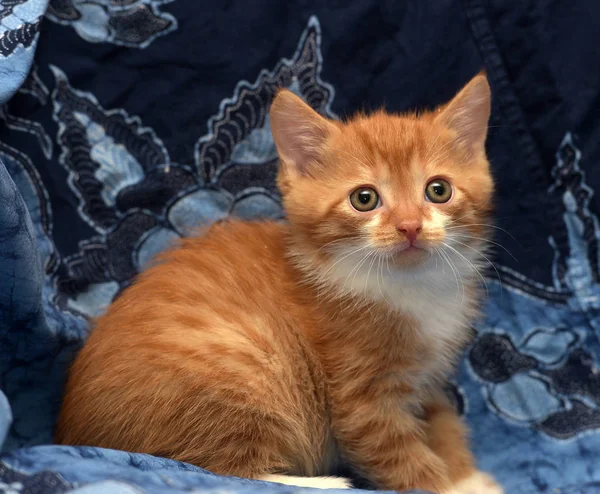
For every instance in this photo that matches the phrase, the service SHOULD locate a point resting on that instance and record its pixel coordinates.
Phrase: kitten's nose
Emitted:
(410, 229)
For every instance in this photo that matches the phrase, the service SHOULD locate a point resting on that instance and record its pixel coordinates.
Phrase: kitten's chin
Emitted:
(409, 257)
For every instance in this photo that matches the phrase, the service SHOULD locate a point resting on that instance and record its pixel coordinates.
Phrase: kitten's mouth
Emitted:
(409, 248)
(409, 254)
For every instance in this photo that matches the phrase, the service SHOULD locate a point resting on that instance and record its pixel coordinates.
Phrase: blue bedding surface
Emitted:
(125, 124)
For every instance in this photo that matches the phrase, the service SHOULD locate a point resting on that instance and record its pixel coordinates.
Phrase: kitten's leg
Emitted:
(447, 436)
(315, 482)
(387, 445)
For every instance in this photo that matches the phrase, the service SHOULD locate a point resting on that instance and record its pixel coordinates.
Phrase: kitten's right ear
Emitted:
(300, 133)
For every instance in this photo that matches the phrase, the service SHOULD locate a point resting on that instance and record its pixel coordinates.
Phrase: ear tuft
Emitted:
(300, 133)
(468, 114)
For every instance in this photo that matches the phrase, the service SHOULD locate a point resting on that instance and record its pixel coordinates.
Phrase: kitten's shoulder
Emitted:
(231, 239)
(241, 234)
(226, 256)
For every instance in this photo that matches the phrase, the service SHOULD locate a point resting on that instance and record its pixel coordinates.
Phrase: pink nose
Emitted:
(410, 229)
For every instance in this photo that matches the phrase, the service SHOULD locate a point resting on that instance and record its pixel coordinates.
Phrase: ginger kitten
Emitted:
(267, 350)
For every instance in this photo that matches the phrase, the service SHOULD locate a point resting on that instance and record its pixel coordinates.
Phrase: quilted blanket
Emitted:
(126, 123)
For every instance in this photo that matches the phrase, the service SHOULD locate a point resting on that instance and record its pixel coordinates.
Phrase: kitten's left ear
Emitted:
(300, 133)
(468, 113)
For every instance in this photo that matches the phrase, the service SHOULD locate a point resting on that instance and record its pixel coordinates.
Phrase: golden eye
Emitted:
(364, 199)
(438, 191)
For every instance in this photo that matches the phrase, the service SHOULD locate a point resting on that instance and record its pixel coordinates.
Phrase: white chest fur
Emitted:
(438, 294)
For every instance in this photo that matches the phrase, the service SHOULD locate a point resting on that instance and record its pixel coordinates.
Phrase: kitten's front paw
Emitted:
(477, 483)
(312, 482)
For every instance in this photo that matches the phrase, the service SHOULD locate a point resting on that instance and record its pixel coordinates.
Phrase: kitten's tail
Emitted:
(314, 482)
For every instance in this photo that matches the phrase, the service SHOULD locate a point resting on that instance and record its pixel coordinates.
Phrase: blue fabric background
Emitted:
(126, 123)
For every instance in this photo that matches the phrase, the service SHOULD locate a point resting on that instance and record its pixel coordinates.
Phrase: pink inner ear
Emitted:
(468, 114)
(300, 133)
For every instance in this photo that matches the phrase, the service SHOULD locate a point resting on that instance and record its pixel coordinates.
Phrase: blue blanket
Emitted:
(126, 123)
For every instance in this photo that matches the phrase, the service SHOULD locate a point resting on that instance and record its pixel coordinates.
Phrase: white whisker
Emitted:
(486, 258)
(380, 267)
(485, 240)
(357, 268)
(370, 267)
(459, 284)
(486, 225)
(352, 252)
(470, 264)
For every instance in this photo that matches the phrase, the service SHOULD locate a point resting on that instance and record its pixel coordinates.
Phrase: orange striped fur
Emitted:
(264, 349)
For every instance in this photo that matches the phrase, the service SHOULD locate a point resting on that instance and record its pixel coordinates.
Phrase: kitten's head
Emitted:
(401, 188)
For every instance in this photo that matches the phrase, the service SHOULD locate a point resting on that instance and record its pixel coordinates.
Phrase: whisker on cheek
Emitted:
(460, 287)
(479, 253)
(486, 225)
(475, 269)
(347, 255)
(486, 240)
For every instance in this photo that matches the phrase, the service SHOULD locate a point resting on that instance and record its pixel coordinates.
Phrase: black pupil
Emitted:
(364, 197)
(438, 189)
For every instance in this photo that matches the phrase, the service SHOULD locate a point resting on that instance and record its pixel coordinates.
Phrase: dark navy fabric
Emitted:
(125, 124)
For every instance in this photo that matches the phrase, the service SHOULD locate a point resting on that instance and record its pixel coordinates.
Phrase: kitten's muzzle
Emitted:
(410, 229)
(407, 247)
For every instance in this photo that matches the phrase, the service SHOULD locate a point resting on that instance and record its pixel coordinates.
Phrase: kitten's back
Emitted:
(200, 361)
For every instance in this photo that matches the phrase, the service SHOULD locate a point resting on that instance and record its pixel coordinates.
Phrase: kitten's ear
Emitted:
(300, 133)
(468, 114)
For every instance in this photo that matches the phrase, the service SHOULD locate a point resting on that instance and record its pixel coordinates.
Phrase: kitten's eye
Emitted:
(364, 199)
(438, 191)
